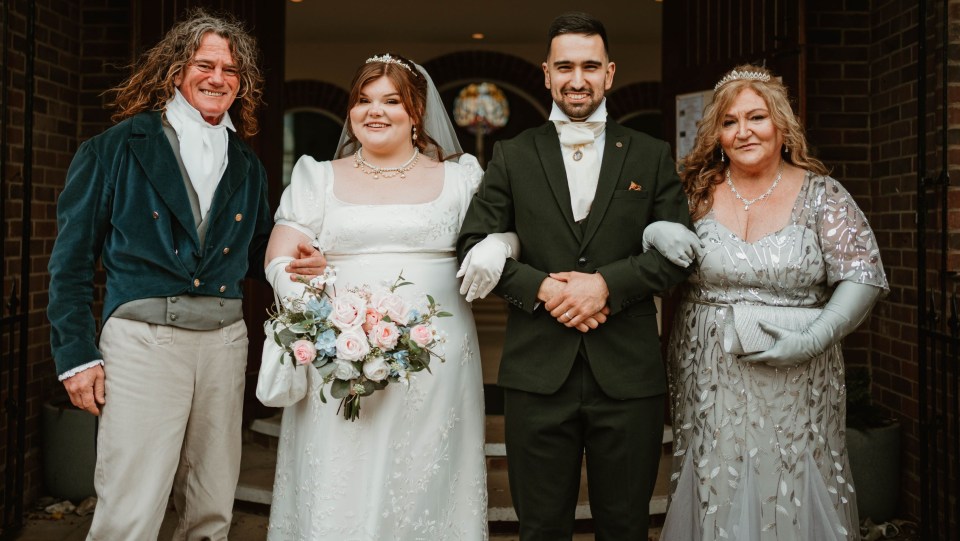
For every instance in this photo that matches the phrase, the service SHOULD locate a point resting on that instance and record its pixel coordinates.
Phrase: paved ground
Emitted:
(249, 524)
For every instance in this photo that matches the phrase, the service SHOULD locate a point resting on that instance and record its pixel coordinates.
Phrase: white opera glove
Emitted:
(277, 276)
(674, 241)
(848, 307)
(483, 264)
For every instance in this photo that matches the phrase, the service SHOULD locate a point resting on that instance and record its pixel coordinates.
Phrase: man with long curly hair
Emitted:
(175, 206)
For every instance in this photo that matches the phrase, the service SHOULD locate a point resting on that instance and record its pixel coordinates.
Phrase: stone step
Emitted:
(258, 464)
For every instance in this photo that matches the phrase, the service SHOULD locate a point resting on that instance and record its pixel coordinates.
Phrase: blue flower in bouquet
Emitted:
(326, 343)
(400, 357)
(319, 308)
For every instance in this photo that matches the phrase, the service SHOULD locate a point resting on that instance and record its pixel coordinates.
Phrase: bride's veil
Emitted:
(436, 122)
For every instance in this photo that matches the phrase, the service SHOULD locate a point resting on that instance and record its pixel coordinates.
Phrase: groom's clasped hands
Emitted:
(576, 299)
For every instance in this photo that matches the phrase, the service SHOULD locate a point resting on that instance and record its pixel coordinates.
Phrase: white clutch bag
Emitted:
(743, 334)
(280, 384)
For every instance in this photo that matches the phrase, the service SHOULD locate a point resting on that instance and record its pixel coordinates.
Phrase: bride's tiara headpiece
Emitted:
(387, 59)
(745, 75)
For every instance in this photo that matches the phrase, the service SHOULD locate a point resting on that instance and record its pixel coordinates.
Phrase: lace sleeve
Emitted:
(849, 246)
(302, 202)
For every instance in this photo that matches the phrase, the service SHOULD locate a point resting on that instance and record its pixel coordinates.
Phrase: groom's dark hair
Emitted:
(577, 22)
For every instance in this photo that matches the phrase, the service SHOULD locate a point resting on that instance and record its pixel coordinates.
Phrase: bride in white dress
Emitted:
(412, 466)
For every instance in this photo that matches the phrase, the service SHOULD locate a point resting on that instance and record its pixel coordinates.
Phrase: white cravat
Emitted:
(586, 139)
(203, 147)
(582, 162)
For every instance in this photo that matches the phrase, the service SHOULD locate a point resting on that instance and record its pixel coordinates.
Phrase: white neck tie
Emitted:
(582, 163)
(203, 148)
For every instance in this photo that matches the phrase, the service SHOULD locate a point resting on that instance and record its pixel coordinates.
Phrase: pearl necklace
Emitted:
(747, 202)
(387, 172)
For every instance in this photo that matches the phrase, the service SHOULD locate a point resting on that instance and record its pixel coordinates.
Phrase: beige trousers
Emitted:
(174, 399)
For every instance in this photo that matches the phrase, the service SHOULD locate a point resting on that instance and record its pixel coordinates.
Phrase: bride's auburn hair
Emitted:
(412, 87)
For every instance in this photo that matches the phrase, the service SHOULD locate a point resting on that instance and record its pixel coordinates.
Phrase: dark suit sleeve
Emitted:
(643, 275)
(83, 215)
(491, 211)
(258, 244)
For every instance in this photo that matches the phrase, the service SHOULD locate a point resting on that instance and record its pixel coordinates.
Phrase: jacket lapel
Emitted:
(548, 148)
(236, 171)
(152, 149)
(614, 152)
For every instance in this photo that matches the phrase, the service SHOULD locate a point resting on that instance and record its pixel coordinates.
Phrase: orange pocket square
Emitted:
(635, 187)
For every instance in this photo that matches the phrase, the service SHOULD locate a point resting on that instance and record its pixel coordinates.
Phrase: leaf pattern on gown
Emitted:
(766, 447)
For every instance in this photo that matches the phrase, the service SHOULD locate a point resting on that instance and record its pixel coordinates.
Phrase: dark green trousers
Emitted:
(546, 438)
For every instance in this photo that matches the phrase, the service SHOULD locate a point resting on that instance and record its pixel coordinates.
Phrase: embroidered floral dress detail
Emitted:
(760, 452)
(412, 466)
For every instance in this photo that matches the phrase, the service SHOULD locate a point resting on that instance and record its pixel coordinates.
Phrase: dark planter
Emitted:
(69, 451)
(875, 463)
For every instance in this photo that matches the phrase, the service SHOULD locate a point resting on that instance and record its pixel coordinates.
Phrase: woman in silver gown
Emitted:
(786, 265)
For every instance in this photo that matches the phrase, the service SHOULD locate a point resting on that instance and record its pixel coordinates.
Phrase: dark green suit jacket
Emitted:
(525, 190)
(125, 202)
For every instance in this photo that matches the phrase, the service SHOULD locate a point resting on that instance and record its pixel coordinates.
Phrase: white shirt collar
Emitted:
(194, 115)
(600, 115)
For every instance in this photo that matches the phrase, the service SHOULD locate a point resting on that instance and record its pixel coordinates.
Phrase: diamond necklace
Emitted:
(387, 172)
(747, 202)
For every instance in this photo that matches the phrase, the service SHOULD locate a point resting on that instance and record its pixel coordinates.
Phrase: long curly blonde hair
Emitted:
(151, 84)
(702, 168)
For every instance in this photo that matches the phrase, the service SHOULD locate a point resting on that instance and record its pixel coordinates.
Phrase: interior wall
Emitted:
(336, 62)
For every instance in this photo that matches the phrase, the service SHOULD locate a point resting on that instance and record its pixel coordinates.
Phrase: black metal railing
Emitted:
(938, 307)
(14, 323)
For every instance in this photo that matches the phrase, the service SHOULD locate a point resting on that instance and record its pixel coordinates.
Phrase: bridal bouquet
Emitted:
(360, 339)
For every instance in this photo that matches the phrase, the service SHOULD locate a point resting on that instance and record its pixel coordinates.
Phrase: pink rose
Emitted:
(422, 335)
(352, 345)
(304, 351)
(384, 335)
(392, 305)
(349, 311)
(373, 317)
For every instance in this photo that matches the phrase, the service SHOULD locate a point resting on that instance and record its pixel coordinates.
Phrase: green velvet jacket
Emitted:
(525, 190)
(125, 202)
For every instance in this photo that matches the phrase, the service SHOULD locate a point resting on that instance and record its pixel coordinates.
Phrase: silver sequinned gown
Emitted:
(760, 453)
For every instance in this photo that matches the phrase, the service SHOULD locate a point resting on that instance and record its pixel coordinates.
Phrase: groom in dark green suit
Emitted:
(581, 363)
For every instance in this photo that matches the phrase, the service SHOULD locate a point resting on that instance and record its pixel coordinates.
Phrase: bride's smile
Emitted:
(381, 123)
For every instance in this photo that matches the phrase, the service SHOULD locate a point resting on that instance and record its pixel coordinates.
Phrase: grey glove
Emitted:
(848, 307)
(483, 264)
(674, 241)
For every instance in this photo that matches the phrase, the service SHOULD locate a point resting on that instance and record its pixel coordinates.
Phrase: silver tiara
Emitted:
(387, 59)
(746, 75)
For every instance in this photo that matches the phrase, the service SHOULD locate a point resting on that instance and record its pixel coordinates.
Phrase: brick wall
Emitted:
(837, 112)
(892, 93)
(862, 120)
(862, 117)
(78, 45)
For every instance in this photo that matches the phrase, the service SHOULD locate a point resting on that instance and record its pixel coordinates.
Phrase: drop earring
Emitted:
(414, 135)
(723, 158)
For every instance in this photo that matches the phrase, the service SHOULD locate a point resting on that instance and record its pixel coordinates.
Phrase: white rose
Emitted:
(349, 311)
(352, 345)
(376, 369)
(345, 370)
(392, 305)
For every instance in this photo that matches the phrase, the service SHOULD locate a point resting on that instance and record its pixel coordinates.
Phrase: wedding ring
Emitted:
(568, 315)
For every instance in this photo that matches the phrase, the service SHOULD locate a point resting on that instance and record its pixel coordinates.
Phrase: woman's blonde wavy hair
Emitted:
(702, 168)
(151, 84)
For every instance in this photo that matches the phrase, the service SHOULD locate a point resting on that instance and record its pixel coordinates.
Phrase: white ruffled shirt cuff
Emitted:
(74, 371)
